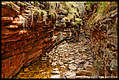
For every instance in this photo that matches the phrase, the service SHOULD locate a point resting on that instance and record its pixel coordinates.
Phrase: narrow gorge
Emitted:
(42, 40)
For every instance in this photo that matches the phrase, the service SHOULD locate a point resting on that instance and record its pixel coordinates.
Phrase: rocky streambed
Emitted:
(66, 60)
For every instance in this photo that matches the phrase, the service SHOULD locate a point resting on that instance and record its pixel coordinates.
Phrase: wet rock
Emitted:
(26, 70)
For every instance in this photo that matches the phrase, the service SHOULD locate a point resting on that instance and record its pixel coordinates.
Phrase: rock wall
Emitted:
(20, 46)
(31, 28)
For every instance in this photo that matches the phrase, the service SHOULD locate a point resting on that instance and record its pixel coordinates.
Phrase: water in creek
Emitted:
(39, 69)
(42, 68)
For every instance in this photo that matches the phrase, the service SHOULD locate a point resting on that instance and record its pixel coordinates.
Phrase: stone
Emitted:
(62, 66)
(54, 63)
(55, 72)
(12, 26)
(26, 70)
(78, 69)
(55, 59)
(70, 74)
(61, 63)
(55, 69)
(86, 64)
(84, 72)
(76, 61)
(76, 51)
(65, 50)
(81, 61)
(55, 76)
(65, 64)
(84, 56)
(71, 57)
(83, 77)
(89, 67)
(71, 53)
(72, 61)
(72, 66)
(88, 58)
(66, 55)
(44, 58)
(56, 54)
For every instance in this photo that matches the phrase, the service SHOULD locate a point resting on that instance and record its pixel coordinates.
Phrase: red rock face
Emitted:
(9, 12)
(20, 46)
